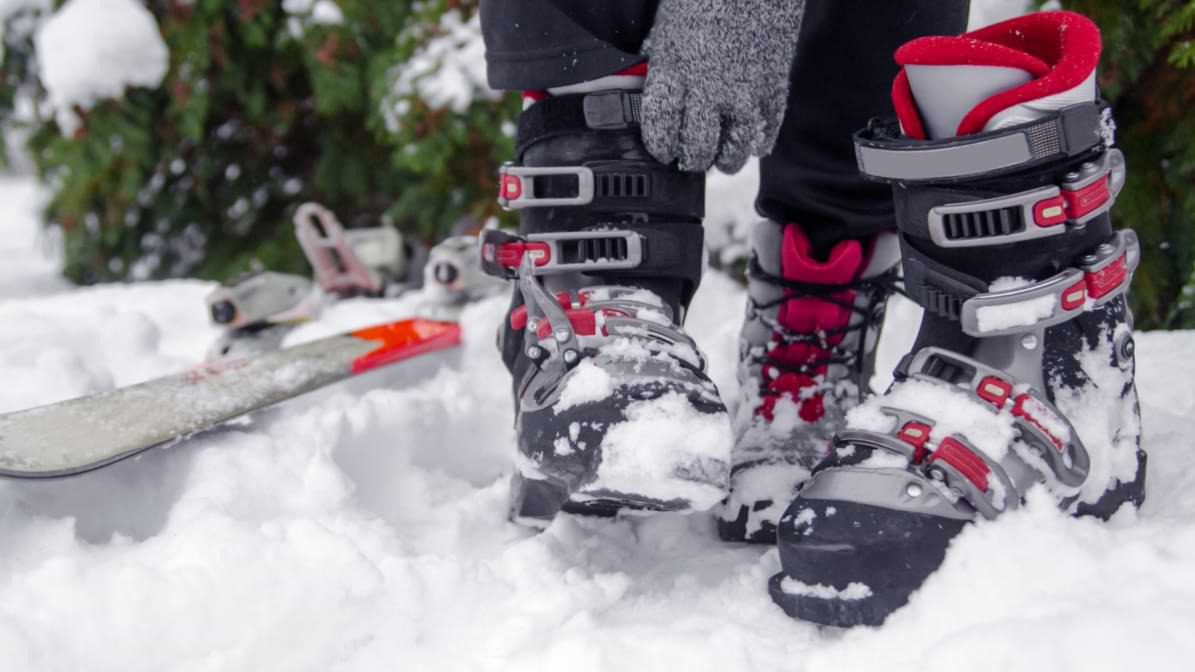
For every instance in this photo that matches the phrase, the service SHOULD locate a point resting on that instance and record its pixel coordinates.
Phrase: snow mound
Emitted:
(91, 50)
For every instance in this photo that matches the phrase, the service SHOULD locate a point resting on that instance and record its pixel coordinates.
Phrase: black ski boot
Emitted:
(613, 407)
(1022, 373)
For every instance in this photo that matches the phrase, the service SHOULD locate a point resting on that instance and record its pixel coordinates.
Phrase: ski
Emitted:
(79, 435)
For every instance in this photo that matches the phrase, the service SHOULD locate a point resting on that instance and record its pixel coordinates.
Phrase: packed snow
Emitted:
(1021, 313)
(90, 50)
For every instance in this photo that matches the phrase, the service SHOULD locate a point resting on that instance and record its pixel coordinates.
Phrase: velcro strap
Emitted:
(885, 155)
(557, 115)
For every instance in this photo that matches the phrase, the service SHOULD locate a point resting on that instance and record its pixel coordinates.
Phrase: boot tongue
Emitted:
(946, 93)
(798, 263)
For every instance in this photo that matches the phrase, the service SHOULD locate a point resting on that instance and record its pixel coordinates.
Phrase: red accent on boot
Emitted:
(809, 315)
(636, 70)
(1060, 49)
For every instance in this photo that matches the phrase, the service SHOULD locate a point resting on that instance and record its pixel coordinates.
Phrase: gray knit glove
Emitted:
(717, 79)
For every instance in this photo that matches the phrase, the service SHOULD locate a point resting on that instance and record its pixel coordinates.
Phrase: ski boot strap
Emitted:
(604, 186)
(1096, 277)
(884, 155)
(613, 110)
(1040, 212)
(651, 250)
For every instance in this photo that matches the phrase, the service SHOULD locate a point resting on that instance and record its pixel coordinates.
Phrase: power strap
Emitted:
(559, 115)
(884, 155)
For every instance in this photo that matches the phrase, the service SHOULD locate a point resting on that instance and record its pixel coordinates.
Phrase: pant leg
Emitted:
(537, 44)
(842, 77)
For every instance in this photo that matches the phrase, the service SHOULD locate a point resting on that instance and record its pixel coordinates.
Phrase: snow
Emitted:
(319, 12)
(952, 409)
(668, 450)
(32, 10)
(26, 251)
(853, 591)
(365, 527)
(90, 50)
(1022, 313)
(588, 383)
(446, 73)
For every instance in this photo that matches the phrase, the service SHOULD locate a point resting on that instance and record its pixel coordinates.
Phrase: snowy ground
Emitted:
(365, 529)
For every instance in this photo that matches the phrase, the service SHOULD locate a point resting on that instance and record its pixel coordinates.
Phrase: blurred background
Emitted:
(175, 138)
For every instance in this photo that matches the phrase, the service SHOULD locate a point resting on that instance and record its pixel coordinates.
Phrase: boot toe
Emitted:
(846, 563)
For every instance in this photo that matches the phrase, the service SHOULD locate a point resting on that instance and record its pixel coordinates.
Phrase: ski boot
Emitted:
(614, 410)
(806, 355)
(1003, 173)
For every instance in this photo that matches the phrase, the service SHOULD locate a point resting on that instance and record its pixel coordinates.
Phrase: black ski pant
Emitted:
(842, 77)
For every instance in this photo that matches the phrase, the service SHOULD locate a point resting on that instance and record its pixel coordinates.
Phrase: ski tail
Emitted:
(79, 435)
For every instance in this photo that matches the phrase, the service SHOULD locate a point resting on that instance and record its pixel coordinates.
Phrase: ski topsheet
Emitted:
(82, 434)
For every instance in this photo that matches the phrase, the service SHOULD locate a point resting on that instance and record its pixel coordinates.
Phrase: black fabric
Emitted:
(842, 78)
(538, 44)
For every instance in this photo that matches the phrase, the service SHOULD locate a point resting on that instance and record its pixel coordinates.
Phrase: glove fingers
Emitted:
(739, 135)
(699, 134)
(663, 107)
